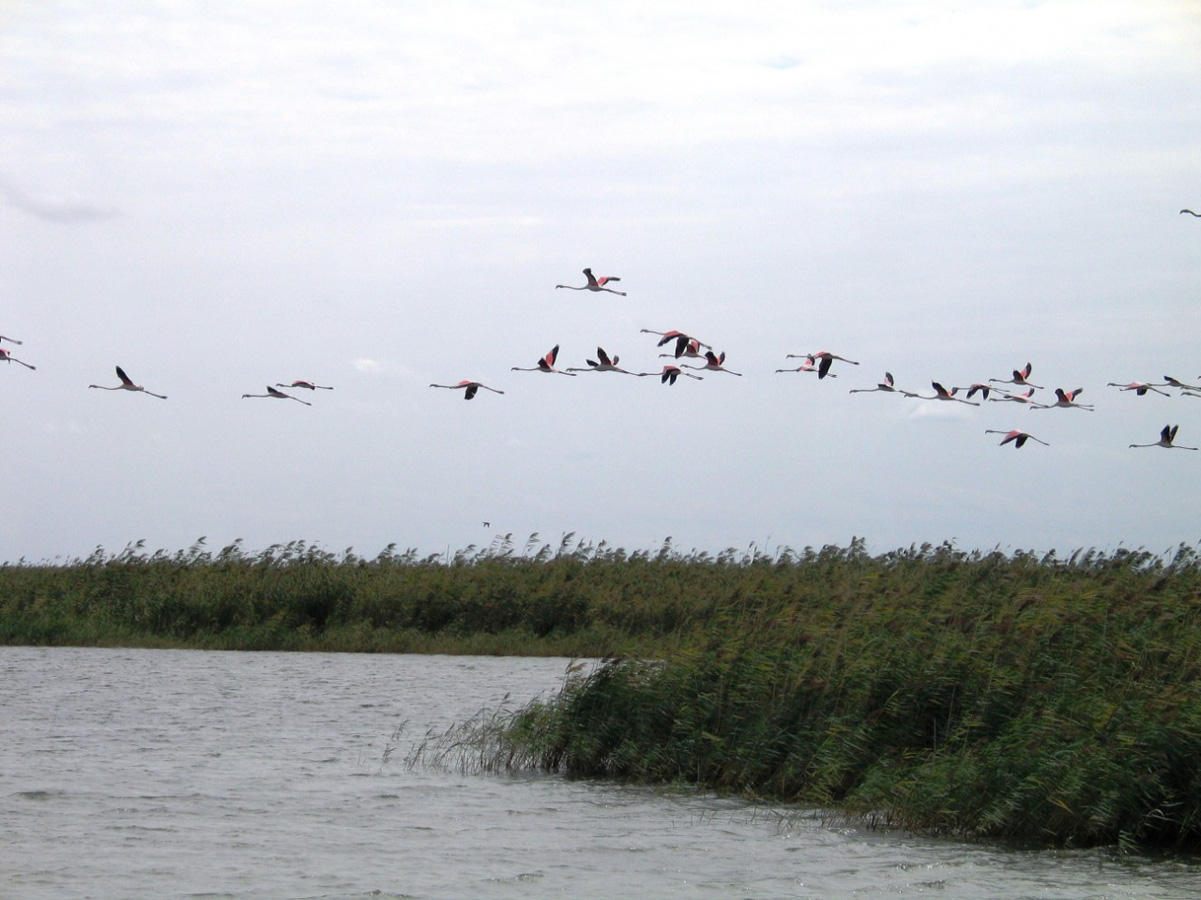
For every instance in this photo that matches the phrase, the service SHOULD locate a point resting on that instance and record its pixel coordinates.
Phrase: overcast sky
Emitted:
(376, 196)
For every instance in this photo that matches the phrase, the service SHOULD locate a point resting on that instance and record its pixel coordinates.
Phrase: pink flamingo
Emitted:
(671, 373)
(547, 364)
(1015, 398)
(976, 388)
(277, 395)
(1066, 400)
(307, 385)
(1018, 437)
(594, 284)
(941, 393)
(127, 385)
(1190, 212)
(9, 358)
(1139, 387)
(885, 385)
(686, 344)
(806, 366)
(1020, 377)
(10, 340)
(1166, 437)
(713, 363)
(603, 363)
(690, 348)
(826, 360)
(1177, 383)
(468, 387)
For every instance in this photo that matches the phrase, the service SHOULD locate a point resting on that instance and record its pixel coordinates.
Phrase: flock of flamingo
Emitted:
(128, 384)
(818, 363)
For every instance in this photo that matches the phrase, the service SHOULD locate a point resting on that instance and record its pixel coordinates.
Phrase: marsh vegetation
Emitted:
(980, 694)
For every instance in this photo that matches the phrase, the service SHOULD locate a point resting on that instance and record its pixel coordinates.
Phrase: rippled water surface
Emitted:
(149, 773)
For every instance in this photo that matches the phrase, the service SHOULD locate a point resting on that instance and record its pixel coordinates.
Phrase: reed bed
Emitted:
(980, 694)
(571, 599)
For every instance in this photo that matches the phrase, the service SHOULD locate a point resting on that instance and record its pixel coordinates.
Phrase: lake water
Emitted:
(160, 773)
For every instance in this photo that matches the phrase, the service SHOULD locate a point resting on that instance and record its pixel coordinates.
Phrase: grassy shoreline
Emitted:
(982, 695)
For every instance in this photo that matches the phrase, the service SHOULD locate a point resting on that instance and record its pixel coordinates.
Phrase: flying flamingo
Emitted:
(1190, 212)
(974, 388)
(1165, 440)
(671, 373)
(689, 347)
(605, 364)
(826, 360)
(547, 364)
(686, 344)
(468, 387)
(885, 385)
(307, 385)
(1067, 400)
(1020, 377)
(1018, 437)
(10, 340)
(9, 358)
(806, 366)
(1139, 387)
(1016, 398)
(127, 385)
(713, 363)
(594, 284)
(1177, 383)
(277, 395)
(941, 393)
